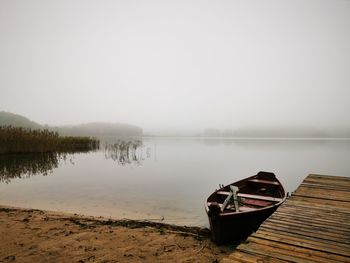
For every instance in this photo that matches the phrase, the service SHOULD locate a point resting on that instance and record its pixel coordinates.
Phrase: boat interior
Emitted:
(254, 193)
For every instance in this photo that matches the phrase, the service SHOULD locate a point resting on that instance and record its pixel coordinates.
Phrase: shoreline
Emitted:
(33, 235)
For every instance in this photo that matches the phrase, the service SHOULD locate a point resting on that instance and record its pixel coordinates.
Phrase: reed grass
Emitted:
(124, 152)
(23, 140)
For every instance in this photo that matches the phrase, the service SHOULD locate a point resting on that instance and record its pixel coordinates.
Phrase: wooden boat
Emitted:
(238, 209)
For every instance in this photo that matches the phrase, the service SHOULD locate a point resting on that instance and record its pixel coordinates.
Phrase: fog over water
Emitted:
(180, 65)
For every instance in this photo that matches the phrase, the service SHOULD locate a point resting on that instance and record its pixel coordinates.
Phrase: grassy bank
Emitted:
(22, 140)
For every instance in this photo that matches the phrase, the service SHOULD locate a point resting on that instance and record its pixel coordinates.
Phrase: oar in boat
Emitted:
(233, 193)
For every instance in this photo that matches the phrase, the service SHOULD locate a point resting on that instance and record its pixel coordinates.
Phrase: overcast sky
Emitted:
(177, 64)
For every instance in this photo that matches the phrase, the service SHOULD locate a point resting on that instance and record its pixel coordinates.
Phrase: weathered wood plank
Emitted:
(311, 226)
(307, 242)
(315, 222)
(333, 178)
(325, 236)
(283, 254)
(246, 257)
(326, 187)
(325, 181)
(308, 202)
(321, 193)
(301, 251)
(324, 197)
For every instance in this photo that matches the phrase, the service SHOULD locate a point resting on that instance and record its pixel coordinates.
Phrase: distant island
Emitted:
(104, 129)
(96, 129)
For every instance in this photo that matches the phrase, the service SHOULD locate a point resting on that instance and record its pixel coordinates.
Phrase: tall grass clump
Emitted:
(125, 152)
(23, 140)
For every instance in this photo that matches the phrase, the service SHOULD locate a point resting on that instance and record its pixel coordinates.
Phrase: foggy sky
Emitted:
(177, 64)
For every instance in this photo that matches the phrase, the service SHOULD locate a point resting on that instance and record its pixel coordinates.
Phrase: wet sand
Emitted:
(28, 235)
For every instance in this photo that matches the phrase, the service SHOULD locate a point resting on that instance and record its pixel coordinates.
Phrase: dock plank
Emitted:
(313, 225)
(304, 241)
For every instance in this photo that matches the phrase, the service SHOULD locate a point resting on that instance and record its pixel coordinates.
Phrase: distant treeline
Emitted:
(22, 140)
(94, 129)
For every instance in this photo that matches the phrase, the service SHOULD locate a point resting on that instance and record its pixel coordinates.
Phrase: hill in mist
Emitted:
(89, 129)
(15, 120)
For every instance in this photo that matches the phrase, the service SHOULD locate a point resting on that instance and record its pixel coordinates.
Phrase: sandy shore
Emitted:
(28, 235)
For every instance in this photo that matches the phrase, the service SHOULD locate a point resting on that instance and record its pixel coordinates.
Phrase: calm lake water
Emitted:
(160, 179)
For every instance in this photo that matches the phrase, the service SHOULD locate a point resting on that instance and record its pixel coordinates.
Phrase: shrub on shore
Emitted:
(23, 140)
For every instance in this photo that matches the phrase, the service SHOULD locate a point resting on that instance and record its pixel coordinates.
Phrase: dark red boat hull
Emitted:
(233, 226)
(238, 227)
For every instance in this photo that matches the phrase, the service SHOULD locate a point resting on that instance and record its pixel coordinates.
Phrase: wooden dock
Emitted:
(313, 225)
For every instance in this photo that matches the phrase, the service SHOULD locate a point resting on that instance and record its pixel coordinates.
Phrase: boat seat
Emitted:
(246, 209)
(258, 197)
(263, 181)
(241, 208)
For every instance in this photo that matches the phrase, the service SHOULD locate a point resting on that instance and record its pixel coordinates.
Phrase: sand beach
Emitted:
(30, 235)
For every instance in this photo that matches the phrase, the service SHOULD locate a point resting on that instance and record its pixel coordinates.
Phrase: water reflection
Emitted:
(127, 152)
(26, 165)
(13, 166)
